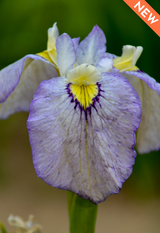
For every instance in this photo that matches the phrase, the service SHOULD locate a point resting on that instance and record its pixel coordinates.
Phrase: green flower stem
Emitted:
(82, 214)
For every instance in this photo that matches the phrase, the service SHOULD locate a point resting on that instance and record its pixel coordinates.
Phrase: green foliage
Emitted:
(3, 230)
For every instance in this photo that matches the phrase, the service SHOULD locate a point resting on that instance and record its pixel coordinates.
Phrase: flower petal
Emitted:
(90, 153)
(65, 53)
(127, 61)
(105, 64)
(148, 134)
(92, 48)
(76, 42)
(53, 34)
(84, 75)
(45, 55)
(151, 82)
(19, 81)
(110, 55)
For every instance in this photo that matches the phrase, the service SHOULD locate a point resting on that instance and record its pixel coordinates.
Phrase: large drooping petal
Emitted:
(65, 53)
(92, 48)
(88, 152)
(148, 134)
(19, 81)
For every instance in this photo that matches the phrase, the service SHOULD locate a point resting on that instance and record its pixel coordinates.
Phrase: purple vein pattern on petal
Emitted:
(88, 153)
(66, 56)
(19, 81)
(92, 48)
(148, 134)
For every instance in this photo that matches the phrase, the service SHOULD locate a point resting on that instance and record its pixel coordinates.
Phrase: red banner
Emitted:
(146, 13)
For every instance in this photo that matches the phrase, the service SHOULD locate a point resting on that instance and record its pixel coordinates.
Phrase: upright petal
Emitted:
(92, 48)
(148, 134)
(19, 81)
(88, 152)
(76, 42)
(53, 34)
(65, 53)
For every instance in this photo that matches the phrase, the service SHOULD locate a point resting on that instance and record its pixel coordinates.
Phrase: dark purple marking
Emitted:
(95, 100)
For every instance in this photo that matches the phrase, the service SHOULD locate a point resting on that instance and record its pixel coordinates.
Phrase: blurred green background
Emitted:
(23, 30)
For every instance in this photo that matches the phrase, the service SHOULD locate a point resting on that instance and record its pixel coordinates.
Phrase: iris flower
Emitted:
(83, 117)
(148, 134)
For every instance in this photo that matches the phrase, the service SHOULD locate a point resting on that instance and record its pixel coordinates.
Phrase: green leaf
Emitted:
(3, 230)
(82, 214)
